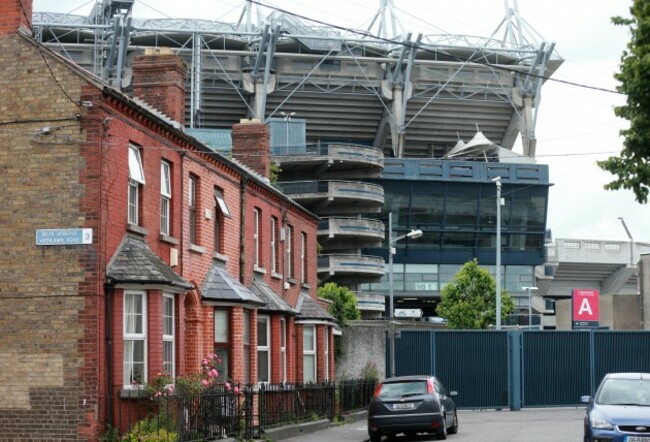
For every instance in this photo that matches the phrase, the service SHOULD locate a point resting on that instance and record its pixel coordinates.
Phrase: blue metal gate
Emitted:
(500, 369)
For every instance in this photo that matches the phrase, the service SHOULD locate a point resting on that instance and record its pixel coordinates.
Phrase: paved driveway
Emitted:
(529, 425)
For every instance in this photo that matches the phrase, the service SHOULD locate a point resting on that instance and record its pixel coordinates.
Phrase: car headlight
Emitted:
(599, 422)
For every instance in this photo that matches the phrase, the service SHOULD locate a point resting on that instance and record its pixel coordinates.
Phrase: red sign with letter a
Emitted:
(585, 308)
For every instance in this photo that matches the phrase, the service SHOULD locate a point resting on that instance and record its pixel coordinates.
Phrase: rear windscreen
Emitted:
(400, 389)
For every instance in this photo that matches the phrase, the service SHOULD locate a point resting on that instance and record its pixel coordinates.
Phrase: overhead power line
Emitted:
(429, 50)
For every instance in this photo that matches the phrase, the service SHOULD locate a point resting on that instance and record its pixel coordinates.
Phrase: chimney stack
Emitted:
(251, 146)
(159, 80)
(15, 15)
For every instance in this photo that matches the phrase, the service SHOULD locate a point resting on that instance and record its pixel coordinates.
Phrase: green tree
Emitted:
(632, 167)
(469, 300)
(343, 308)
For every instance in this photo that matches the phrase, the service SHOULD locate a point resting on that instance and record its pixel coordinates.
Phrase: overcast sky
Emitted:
(576, 126)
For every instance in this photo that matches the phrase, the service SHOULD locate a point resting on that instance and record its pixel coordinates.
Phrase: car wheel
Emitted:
(374, 436)
(454, 427)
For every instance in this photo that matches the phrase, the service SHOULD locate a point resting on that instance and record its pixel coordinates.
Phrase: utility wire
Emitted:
(431, 51)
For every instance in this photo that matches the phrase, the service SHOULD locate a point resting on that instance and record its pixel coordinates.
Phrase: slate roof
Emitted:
(135, 263)
(310, 309)
(220, 286)
(273, 303)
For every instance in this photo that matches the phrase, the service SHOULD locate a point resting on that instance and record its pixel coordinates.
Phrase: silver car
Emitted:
(411, 405)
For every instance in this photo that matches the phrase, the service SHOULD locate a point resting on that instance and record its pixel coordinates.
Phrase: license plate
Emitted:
(636, 439)
(409, 406)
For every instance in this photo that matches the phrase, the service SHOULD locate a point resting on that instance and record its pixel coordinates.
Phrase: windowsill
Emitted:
(168, 239)
(220, 257)
(305, 285)
(134, 393)
(197, 249)
(137, 229)
(292, 281)
(261, 270)
(276, 275)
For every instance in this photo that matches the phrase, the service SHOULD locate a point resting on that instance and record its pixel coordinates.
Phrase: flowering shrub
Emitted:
(211, 373)
(161, 385)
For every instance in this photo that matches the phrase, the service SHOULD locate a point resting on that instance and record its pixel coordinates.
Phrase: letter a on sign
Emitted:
(585, 308)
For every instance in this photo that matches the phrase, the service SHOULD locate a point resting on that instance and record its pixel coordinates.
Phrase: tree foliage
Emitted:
(632, 167)
(469, 300)
(343, 308)
(344, 303)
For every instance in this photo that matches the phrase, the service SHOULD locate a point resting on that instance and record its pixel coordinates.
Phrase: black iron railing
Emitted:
(218, 413)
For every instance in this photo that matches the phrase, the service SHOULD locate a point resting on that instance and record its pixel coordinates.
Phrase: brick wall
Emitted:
(15, 14)
(51, 354)
(250, 146)
(159, 80)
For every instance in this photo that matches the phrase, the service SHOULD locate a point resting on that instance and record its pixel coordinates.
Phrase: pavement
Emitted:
(527, 425)
(300, 430)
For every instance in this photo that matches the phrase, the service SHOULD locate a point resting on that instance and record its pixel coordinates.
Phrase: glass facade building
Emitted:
(454, 204)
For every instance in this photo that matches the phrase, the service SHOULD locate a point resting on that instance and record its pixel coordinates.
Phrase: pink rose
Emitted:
(215, 373)
(205, 382)
(236, 390)
(227, 386)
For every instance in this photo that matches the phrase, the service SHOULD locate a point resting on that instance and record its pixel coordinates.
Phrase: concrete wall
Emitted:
(365, 342)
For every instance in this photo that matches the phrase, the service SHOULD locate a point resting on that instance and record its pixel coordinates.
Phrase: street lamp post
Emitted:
(629, 235)
(391, 251)
(497, 181)
(287, 120)
(530, 291)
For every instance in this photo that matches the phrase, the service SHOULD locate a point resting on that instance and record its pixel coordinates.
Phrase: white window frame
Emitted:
(134, 336)
(221, 202)
(256, 236)
(308, 353)
(283, 349)
(289, 252)
(133, 203)
(303, 257)
(136, 171)
(326, 354)
(136, 179)
(274, 245)
(264, 348)
(169, 336)
(193, 209)
(165, 197)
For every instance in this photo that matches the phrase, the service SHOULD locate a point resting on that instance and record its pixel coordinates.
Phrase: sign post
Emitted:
(585, 308)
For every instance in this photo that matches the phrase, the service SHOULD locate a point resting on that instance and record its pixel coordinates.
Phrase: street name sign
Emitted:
(63, 237)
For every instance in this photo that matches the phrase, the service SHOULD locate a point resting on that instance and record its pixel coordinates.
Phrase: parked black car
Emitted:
(411, 405)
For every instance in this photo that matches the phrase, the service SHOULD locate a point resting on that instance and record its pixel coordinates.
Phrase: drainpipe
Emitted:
(108, 290)
(242, 228)
(182, 235)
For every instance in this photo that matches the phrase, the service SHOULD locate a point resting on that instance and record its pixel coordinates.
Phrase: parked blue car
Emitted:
(620, 411)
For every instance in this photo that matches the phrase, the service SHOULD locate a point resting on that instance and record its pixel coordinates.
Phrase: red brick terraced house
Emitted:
(130, 248)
